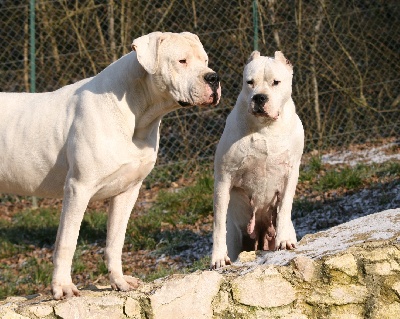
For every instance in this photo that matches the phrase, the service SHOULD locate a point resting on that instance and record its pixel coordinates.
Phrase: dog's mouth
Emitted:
(212, 101)
(265, 115)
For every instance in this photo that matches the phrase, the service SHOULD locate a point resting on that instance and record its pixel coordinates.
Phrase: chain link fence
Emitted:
(345, 55)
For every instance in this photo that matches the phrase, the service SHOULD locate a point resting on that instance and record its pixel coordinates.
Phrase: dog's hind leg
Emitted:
(234, 238)
(119, 213)
(76, 198)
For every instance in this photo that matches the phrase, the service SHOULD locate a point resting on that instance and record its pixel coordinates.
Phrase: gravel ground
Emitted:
(346, 208)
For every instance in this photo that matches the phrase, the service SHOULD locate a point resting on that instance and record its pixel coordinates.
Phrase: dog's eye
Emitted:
(276, 82)
(182, 61)
(250, 82)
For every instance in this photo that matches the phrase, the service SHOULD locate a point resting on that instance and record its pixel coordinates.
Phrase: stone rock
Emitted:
(396, 288)
(247, 256)
(350, 311)
(221, 302)
(132, 308)
(40, 310)
(8, 306)
(339, 295)
(386, 311)
(381, 254)
(264, 287)
(384, 268)
(93, 307)
(345, 263)
(187, 297)
(9, 314)
(341, 268)
(304, 267)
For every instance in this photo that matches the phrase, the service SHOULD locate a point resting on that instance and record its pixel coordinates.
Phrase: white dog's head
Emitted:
(267, 84)
(178, 65)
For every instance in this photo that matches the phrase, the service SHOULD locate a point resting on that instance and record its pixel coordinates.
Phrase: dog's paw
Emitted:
(220, 262)
(125, 283)
(285, 244)
(285, 239)
(62, 291)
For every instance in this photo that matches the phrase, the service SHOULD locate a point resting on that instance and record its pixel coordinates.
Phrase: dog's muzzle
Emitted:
(259, 102)
(258, 108)
(212, 79)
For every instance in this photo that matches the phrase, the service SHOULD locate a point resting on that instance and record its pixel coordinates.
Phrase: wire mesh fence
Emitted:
(345, 56)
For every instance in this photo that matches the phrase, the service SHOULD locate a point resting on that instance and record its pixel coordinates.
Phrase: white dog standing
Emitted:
(98, 138)
(257, 163)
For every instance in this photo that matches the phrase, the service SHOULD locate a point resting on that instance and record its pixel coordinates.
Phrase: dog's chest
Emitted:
(263, 168)
(143, 161)
(139, 160)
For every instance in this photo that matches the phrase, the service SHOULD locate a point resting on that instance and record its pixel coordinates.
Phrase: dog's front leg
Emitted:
(285, 232)
(221, 200)
(76, 198)
(119, 212)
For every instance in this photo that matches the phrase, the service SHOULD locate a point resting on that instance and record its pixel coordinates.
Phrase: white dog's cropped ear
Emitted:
(146, 48)
(281, 58)
(254, 55)
(191, 36)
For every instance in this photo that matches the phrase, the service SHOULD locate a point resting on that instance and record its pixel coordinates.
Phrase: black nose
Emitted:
(260, 99)
(212, 78)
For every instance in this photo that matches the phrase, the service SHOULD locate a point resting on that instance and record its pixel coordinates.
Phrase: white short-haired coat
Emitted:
(257, 164)
(98, 138)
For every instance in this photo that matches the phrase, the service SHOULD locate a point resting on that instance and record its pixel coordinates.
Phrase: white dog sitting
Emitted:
(257, 164)
(98, 138)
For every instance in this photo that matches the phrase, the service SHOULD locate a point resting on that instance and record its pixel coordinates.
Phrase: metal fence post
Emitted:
(32, 62)
(32, 46)
(255, 24)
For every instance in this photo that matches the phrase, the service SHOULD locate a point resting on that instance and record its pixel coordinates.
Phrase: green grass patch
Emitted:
(388, 169)
(39, 271)
(39, 228)
(184, 206)
(349, 178)
(30, 227)
(311, 169)
(101, 267)
(78, 266)
(165, 174)
(25, 280)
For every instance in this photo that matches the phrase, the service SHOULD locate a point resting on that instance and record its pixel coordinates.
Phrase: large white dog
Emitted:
(257, 164)
(98, 138)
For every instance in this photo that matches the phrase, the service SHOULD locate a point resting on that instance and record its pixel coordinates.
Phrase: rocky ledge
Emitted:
(349, 271)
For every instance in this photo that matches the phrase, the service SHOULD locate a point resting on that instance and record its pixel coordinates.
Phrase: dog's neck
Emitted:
(129, 82)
